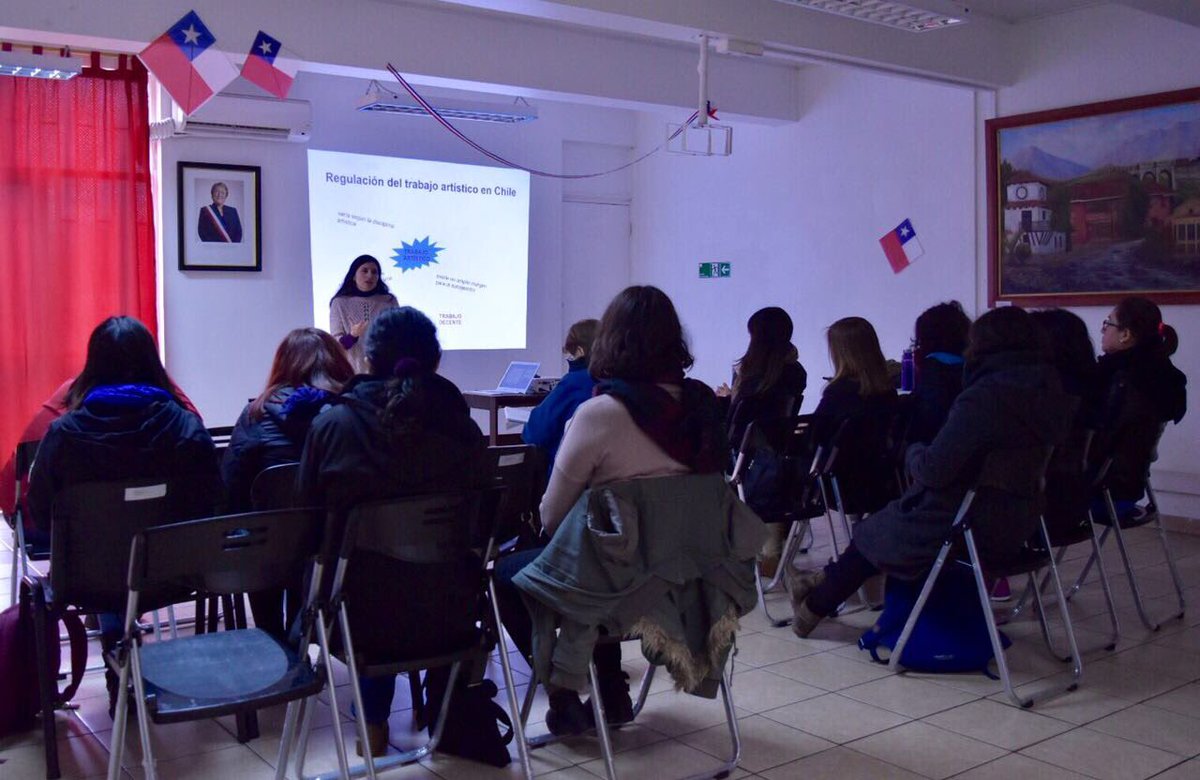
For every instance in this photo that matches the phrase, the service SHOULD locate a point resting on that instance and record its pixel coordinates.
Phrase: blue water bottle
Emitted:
(906, 371)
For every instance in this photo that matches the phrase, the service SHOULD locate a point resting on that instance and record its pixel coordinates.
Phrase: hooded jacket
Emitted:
(1011, 402)
(1142, 391)
(275, 438)
(120, 432)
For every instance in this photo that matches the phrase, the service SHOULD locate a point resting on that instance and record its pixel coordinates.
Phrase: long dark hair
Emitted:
(1068, 345)
(306, 356)
(1006, 329)
(349, 288)
(1142, 318)
(854, 350)
(120, 352)
(942, 328)
(769, 352)
(402, 346)
(640, 339)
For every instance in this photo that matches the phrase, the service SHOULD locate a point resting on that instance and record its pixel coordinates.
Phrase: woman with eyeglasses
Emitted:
(1142, 390)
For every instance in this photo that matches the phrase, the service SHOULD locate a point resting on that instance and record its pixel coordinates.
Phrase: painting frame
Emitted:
(225, 236)
(1002, 256)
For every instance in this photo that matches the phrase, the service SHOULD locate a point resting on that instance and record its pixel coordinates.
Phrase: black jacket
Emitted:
(349, 458)
(275, 438)
(1010, 401)
(864, 471)
(1141, 392)
(779, 400)
(938, 384)
(118, 433)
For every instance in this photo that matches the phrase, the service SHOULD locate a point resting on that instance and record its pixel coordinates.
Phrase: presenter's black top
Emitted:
(219, 224)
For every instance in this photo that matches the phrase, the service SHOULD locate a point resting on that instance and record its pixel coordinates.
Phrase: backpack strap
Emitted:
(77, 635)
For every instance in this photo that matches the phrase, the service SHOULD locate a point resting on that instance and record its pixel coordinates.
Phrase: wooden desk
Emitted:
(492, 403)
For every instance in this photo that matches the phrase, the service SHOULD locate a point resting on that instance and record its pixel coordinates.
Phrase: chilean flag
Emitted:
(901, 246)
(262, 67)
(184, 61)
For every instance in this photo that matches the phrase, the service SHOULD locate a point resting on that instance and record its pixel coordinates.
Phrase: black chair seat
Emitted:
(373, 668)
(1026, 560)
(216, 674)
(1064, 534)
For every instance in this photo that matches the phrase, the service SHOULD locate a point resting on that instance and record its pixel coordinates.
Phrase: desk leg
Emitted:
(494, 432)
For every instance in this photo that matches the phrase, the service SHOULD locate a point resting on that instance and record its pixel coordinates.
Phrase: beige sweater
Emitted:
(349, 310)
(602, 445)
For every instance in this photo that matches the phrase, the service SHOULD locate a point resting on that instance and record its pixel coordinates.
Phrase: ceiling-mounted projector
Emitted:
(381, 101)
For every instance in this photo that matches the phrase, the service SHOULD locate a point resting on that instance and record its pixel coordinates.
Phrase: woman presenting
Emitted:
(362, 296)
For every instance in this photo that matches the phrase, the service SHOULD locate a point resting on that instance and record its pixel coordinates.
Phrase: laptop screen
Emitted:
(518, 377)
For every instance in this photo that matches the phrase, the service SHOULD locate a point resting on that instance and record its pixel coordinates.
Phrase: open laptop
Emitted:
(517, 378)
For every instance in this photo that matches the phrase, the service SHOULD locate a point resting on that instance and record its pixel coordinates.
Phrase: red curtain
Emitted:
(76, 226)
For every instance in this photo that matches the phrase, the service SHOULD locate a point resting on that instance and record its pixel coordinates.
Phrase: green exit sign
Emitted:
(715, 270)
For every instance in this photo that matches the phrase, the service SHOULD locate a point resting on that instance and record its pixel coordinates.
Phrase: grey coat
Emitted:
(669, 558)
(1011, 402)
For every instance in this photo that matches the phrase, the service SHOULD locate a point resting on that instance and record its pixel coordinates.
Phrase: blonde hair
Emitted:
(854, 350)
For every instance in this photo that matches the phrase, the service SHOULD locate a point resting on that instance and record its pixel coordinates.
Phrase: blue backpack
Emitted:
(951, 634)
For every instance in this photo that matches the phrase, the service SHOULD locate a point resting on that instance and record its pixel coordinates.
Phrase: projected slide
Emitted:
(453, 240)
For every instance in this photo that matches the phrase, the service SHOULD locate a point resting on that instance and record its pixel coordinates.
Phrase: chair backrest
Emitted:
(276, 488)
(860, 461)
(220, 435)
(229, 554)
(1002, 509)
(774, 469)
(521, 470)
(94, 523)
(416, 529)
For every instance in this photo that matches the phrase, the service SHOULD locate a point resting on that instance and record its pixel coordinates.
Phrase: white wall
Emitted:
(1101, 54)
(222, 328)
(799, 210)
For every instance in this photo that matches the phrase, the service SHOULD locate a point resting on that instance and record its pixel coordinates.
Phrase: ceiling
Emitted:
(1021, 10)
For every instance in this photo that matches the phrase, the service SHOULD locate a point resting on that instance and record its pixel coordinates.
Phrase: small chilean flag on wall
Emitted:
(264, 67)
(901, 246)
(184, 60)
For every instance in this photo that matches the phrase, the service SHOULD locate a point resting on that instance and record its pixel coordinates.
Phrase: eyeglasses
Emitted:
(1108, 324)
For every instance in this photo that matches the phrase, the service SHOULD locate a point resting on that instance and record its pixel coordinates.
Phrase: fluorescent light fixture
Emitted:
(381, 101)
(885, 12)
(38, 66)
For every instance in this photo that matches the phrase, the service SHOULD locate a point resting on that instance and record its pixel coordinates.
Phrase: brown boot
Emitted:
(804, 620)
(377, 738)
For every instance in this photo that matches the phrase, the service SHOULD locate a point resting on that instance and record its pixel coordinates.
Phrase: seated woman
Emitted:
(124, 420)
(768, 383)
(646, 420)
(861, 394)
(309, 369)
(1140, 390)
(399, 430)
(941, 337)
(1011, 399)
(549, 418)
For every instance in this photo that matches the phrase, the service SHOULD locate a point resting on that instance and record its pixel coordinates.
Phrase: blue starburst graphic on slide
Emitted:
(418, 254)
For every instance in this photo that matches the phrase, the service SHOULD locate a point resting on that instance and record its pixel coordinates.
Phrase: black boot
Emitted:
(614, 695)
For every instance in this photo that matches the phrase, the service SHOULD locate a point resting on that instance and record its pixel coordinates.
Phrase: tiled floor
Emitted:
(811, 709)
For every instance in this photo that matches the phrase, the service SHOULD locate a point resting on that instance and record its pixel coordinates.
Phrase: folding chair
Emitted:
(93, 525)
(897, 438)
(436, 530)
(521, 470)
(1029, 560)
(228, 672)
(855, 475)
(1069, 520)
(787, 445)
(22, 555)
(1116, 524)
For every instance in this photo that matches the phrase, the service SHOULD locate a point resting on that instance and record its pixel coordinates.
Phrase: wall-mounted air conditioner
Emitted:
(245, 117)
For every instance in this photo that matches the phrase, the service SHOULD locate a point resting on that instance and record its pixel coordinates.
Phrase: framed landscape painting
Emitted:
(1091, 203)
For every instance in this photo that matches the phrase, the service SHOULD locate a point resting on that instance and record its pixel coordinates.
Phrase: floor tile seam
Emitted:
(1125, 738)
(1168, 769)
(848, 746)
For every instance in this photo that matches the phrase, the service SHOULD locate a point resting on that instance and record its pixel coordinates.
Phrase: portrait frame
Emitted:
(228, 238)
(1105, 202)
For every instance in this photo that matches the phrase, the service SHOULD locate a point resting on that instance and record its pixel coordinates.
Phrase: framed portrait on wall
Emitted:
(1091, 203)
(220, 226)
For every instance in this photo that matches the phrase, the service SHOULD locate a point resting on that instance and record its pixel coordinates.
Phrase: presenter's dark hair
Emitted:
(581, 335)
(855, 353)
(348, 287)
(306, 356)
(770, 350)
(640, 339)
(120, 352)
(1142, 317)
(942, 328)
(402, 346)
(1006, 329)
